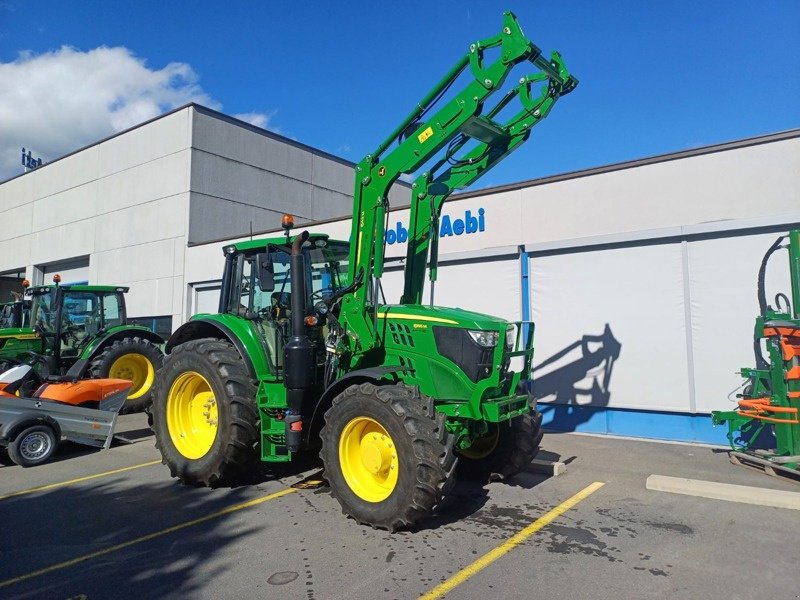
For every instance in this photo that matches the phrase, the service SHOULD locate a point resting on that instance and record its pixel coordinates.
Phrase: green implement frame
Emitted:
(771, 397)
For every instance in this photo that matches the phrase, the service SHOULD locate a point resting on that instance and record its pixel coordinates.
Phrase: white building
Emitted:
(640, 276)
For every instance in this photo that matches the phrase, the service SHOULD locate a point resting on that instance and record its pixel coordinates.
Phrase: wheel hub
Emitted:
(34, 446)
(377, 454)
(192, 415)
(136, 368)
(368, 459)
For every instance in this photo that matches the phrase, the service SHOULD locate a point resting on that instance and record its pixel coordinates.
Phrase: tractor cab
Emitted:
(68, 318)
(257, 285)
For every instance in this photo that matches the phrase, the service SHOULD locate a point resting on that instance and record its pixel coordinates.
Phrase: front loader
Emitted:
(305, 352)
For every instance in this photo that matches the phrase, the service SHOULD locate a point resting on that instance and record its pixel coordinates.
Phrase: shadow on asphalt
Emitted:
(43, 529)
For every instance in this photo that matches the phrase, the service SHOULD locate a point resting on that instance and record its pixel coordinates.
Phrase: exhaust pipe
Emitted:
(298, 353)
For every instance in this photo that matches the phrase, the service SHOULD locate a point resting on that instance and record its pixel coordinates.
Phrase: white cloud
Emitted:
(56, 102)
(258, 119)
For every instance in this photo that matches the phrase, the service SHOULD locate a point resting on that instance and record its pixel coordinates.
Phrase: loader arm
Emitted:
(461, 119)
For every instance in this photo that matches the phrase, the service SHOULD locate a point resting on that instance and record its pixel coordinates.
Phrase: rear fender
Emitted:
(101, 342)
(238, 333)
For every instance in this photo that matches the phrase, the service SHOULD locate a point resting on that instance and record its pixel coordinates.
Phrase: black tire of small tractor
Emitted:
(17, 452)
(517, 446)
(100, 366)
(233, 453)
(427, 462)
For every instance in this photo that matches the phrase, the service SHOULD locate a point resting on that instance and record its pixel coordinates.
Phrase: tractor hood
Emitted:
(433, 315)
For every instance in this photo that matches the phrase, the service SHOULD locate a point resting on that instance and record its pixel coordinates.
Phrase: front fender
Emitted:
(369, 375)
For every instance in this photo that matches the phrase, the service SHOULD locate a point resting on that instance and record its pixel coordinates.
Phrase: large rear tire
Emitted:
(388, 457)
(135, 359)
(506, 450)
(204, 414)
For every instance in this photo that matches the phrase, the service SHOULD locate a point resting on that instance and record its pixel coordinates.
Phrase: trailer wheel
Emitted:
(204, 414)
(505, 451)
(388, 457)
(33, 446)
(135, 359)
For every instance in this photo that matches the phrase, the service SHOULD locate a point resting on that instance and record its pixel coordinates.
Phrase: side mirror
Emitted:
(266, 272)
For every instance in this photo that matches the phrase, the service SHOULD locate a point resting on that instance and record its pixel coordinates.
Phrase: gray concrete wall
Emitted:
(243, 176)
(122, 202)
(744, 183)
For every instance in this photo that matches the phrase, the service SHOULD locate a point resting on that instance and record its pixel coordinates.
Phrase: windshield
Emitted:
(84, 311)
(326, 273)
(42, 311)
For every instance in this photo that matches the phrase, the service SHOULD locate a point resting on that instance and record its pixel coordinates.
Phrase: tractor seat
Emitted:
(76, 372)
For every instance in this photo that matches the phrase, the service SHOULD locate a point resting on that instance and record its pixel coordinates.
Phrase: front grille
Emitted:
(457, 345)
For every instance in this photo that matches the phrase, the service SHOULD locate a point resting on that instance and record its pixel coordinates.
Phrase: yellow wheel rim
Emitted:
(192, 415)
(368, 458)
(482, 447)
(136, 368)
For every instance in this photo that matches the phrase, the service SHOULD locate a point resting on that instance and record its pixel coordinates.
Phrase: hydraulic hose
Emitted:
(761, 362)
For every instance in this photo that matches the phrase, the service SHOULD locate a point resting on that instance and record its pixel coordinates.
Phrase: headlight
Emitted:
(487, 339)
(511, 337)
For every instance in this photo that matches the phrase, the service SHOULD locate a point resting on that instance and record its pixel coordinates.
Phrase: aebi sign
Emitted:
(471, 223)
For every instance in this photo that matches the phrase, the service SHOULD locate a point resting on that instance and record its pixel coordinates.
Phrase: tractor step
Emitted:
(770, 467)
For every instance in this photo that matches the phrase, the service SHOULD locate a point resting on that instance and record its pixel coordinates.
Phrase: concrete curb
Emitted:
(546, 467)
(724, 491)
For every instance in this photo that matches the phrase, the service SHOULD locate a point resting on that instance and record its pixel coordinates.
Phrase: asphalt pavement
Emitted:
(112, 524)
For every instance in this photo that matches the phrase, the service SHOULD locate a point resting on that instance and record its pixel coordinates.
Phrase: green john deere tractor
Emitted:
(84, 322)
(305, 352)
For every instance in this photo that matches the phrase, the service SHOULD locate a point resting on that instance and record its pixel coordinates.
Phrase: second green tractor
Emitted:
(55, 326)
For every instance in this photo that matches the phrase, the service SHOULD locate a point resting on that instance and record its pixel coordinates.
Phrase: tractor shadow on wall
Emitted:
(574, 391)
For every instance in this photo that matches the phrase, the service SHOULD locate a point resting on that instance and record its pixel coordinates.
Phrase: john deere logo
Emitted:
(382, 171)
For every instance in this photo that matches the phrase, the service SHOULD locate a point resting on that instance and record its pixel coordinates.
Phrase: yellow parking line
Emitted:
(78, 480)
(511, 543)
(145, 538)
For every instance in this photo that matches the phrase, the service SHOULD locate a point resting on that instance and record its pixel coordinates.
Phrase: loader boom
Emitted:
(462, 118)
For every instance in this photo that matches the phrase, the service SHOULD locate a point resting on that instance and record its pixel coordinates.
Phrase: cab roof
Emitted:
(104, 289)
(275, 241)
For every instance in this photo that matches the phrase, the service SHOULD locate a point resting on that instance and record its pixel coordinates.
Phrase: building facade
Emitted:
(640, 277)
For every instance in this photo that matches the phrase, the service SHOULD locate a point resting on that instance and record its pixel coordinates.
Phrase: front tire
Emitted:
(135, 359)
(506, 450)
(388, 457)
(204, 414)
(34, 446)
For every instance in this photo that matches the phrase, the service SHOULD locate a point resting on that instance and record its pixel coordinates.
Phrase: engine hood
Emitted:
(440, 315)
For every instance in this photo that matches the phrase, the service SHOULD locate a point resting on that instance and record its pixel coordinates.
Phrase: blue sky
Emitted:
(655, 77)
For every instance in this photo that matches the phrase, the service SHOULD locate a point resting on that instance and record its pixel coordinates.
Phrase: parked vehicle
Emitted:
(63, 407)
(68, 323)
(304, 350)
